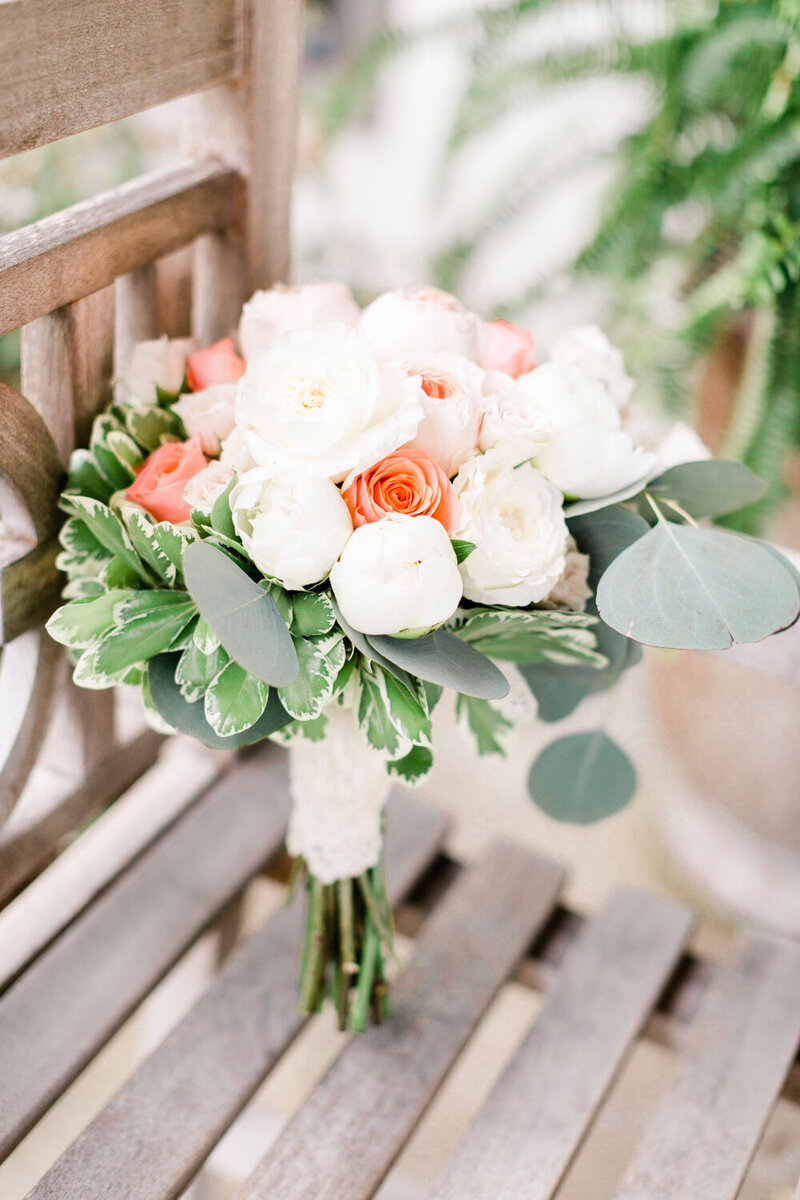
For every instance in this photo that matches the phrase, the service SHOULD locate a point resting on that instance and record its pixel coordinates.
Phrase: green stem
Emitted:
(314, 966)
(359, 1009)
(347, 941)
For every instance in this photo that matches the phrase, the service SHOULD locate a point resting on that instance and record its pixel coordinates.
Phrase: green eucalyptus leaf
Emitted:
(312, 614)
(321, 659)
(146, 624)
(582, 778)
(442, 658)
(709, 488)
(488, 726)
(241, 614)
(604, 534)
(234, 700)
(697, 589)
(190, 719)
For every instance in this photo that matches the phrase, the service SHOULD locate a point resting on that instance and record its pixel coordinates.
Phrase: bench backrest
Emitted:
(175, 252)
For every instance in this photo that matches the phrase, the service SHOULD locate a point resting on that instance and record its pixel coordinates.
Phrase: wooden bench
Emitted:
(117, 856)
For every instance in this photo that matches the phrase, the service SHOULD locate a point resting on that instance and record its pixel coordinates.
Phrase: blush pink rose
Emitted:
(509, 349)
(158, 488)
(216, 364)
(208, 413)
(407, 481)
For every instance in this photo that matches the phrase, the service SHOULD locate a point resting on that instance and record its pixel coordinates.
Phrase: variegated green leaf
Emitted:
(374, 719)
(312, 614)
(321, 659)
(82, 553)
(196, 671)
(84, 478)
(159, 544)
(414, 766)
(487, 725)
(150, 427)
(204, 637)
(235, 700)
(107, 528)
(80, 623)
(522, 636)
(147, 623)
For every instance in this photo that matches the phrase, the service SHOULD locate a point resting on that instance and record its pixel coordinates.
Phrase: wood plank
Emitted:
(152, 1137)
(707, 1127)
(135, 313)
(523, 1139)
(105, 59)
(29, 460)
(79, 992)
(350, 1130)
(35, 917)
(32, 847)
(74, 253)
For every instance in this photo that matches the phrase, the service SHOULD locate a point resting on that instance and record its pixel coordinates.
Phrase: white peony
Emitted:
(587, 348)
(512, 418)
(160, 363)
(209, 413)
(319, 404)
(294, 530)
(268, 315)
(682, 444)
(451, 402)
(204, 488)
(515, 519)
(396, 574)
(422, 320)
(588, 455)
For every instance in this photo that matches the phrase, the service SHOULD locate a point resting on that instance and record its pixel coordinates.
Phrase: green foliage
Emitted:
(582, 778)
(443, 658)
(486, 724)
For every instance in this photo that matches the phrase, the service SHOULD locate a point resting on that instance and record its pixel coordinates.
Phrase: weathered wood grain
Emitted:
(344, 1139)
(29, 461)
(30, 589)
(135, 313)
(152, 1137)
(32, 847)
(74, 253)
(739, 1053)
(80, 991)
(105, 59)
(31, 671)
(523, 1139)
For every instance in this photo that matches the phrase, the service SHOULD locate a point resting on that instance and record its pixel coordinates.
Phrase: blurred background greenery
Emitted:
(634, 162)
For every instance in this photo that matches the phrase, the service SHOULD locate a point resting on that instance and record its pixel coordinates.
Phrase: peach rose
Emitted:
(510, 349)
(407, 481)
(216, 364)
(158, 488)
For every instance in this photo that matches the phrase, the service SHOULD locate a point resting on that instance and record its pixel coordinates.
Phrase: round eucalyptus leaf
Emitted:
(697, 589)
(190, 719)
(709, 488)
(582, 778)
(443, 658)
(242, 614)
(604, 534)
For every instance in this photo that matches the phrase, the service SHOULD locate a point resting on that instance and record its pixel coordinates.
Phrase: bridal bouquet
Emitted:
(309, 532)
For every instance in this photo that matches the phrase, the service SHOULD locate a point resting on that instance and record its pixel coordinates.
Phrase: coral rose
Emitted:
(510, 349)
(158, 488)
(216, 364)
(407, 481)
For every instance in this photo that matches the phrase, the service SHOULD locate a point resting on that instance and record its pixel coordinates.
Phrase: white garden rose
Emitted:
(451, 402)
(160, 363)
(422, 320)
(397, 574)
(268, 315)
(515, 519)
(204, 488)
(588, 348)
(293, 529)
(588, 455)
(235, 454)
(209, 413)
(512, 418)
(319, 404)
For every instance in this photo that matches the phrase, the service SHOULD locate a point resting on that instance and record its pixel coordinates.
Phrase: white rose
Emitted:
(268, 315)
(318, 403)
(294, 530)
(204, 488)
(420, 320)
(588, 348)
(159, 363)
(396, 574)
(234, 452)
(209, 413)
(512, 418)
(588, 455)
(451, 402)
(515, 519)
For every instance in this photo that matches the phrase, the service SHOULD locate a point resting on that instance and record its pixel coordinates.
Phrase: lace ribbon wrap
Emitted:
(338, 788)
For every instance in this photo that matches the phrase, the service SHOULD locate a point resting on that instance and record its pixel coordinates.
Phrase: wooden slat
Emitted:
(152, 1137)
(99, 855)
(135, 313)
(81, 990)
(708, 1126)
(76, 252)
(31, 671)
(524, 1137)
(74, 64)
(29, 460)
(346, 1136)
